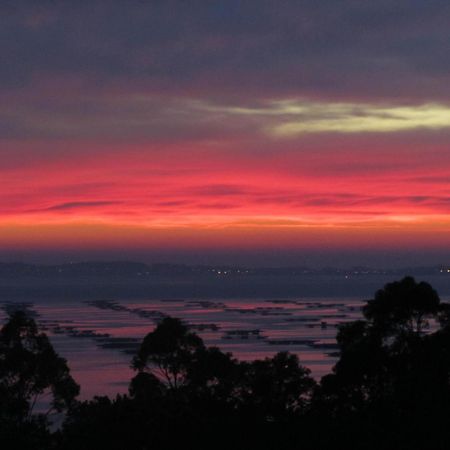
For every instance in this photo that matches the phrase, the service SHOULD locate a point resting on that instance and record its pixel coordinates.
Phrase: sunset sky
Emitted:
(246, 132)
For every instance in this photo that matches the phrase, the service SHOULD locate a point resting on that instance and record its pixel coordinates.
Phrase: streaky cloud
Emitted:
(78, 205)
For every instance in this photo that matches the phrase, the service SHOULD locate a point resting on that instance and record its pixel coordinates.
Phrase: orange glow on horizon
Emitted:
(270, 234)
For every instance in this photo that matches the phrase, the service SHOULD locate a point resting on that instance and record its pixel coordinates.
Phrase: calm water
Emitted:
(98, 338)
(97, 324)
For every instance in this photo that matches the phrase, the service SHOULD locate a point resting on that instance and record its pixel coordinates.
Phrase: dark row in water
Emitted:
(115, 306)
(130, 345)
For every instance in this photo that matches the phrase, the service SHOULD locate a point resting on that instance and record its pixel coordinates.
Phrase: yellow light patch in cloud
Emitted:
(356, 118)
(290, 118)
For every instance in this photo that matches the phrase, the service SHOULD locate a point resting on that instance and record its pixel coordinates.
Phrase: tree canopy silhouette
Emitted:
(184, 389)
(167, 352)
(30, 370)
(403, 306)
(276, 387)
(394, 365)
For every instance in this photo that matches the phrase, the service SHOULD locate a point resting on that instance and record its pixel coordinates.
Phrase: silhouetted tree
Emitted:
(276, 387)
(167, 352)
(146, 386)
(213, 390)
(212, 373)
(31, 373)
(103, 423)
(403, 306)
(394, 367)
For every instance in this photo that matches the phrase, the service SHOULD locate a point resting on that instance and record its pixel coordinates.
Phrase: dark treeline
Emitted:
(389, 389)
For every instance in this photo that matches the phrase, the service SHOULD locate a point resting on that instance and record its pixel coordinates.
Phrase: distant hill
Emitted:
(139, 269)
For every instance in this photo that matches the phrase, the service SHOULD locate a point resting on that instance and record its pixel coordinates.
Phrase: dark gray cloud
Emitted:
(347, 48)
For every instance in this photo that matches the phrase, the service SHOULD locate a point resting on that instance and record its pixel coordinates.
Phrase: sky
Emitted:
(238, 132)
